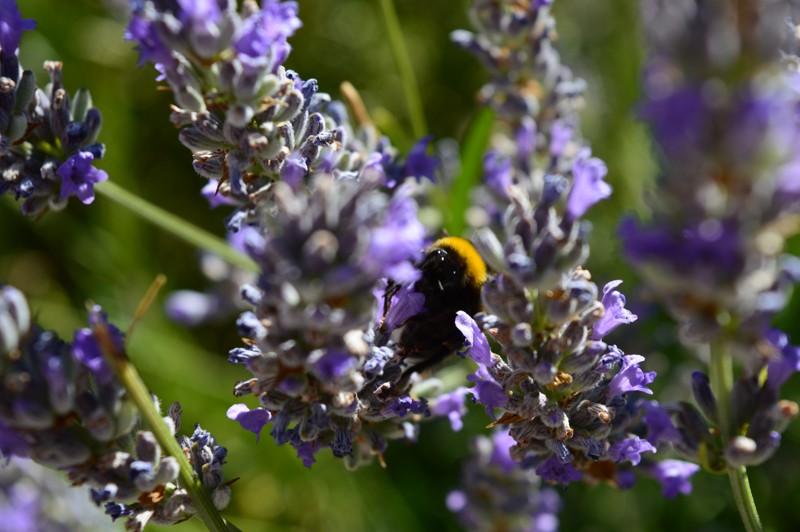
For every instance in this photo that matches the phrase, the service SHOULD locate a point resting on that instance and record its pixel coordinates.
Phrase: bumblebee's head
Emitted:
(453, 262)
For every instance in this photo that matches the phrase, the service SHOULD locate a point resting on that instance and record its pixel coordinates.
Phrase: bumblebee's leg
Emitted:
(434, 360)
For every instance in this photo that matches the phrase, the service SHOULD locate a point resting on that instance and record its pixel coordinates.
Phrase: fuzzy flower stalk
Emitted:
(568, 397)
(497, 494)
(48, 139)
(722, 95)
(62, 407)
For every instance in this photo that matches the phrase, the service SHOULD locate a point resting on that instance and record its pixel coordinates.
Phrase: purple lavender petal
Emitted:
(404, 304)
(785, 363)
(487, 391)
(398, 242)
(498, 173)
(630, 449)
(502, 443)
(79, 177)
(674, 476)
(555, 471)
(588, 186)
(209, 191)
(419, 164)
(615, 312)
(333, 365)
(11, 26)
(451, 405)
(252, 420)
(659, 425)
(475, 343)
(87, 349)
(630, 377)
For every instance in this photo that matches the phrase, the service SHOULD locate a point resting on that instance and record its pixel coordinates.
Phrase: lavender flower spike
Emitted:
(248, 121)
(569, 398)
(62, 407)
(496, 493)
(48, 140)
(719, 262)
(318, 374)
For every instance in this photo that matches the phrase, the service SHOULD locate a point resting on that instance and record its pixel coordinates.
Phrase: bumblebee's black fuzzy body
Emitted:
(452, 275)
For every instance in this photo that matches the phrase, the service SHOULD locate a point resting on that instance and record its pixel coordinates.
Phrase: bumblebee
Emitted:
(452, 274)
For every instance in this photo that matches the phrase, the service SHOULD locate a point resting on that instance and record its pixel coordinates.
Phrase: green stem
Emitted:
(404, 69)
(177, 226)
(129, 377)
(740, 486)
(721, 376)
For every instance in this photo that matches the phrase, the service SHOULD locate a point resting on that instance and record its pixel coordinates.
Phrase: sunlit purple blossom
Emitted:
(79, 177)
(615, 312)
(476, 346)
(630, 377)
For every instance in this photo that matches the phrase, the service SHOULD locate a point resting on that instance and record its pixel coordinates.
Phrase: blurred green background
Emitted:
(104, 254)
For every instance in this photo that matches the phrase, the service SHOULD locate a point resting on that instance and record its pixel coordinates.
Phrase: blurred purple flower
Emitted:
(659, 425)
(783, 363)
(674, 476)
(87, 348)
(588, 186)
(497, 173)
(419, 164)
(452, 405)
(11, 27)
(630, 449)
(555, 471)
